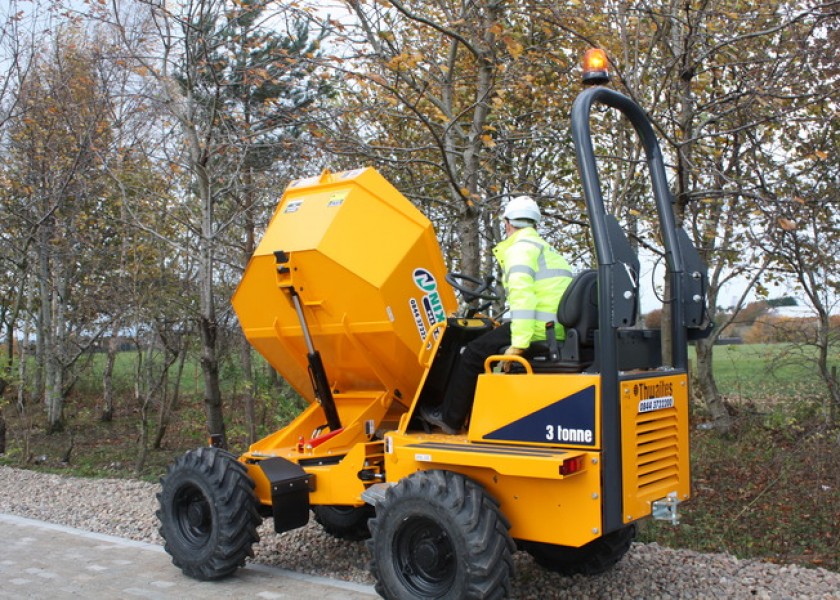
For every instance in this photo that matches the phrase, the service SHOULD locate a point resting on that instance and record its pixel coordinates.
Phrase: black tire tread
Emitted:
(351, 525)
(596, 557)
(478, 517)
(237, 513)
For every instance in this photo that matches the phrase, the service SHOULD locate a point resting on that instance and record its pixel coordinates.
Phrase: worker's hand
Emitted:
(511, 351)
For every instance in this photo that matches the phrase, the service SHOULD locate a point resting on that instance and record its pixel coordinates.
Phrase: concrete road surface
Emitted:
(42, 560)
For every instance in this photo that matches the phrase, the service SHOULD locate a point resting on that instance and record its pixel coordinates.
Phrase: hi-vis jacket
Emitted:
(535, 277)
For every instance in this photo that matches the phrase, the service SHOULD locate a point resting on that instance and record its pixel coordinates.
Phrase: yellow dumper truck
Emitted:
(348, 297)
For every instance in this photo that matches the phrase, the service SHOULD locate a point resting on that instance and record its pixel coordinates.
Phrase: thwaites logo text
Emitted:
(654, 396)
(428, 310)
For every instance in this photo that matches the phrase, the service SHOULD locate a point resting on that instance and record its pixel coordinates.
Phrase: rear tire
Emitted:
(598, 556)
(345, 522)
(208, 513)
(437, 534)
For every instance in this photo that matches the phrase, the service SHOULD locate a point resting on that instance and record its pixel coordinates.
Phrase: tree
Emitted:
(274, 91)
(235, 89)
(17, 59)
(719, 99)
(58, 190)
(443, 98)
(804, 223)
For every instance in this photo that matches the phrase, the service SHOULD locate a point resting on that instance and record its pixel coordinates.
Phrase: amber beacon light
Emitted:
(595, 70)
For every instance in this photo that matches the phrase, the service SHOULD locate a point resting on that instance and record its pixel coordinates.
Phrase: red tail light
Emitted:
(572, 465)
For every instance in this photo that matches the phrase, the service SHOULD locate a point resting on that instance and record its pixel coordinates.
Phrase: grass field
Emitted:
(768, 489)
(757, 370)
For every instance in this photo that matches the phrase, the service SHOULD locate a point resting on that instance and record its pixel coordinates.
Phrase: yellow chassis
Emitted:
(515, 447)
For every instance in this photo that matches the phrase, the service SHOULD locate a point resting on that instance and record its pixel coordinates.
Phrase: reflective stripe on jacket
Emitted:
(535, 277)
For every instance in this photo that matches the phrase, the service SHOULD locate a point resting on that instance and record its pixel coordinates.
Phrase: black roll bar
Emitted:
(614, 294)
(597, 214)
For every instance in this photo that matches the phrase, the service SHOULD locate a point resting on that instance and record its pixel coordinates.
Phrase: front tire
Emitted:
(598, 556)
(438, 534)
(208, 513)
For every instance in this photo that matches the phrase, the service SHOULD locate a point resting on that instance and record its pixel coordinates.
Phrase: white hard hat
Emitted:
(522, 207)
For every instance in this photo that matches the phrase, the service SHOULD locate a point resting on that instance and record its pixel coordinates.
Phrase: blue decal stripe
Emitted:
(569, 420)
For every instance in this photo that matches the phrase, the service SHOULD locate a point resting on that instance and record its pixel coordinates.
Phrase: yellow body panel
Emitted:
(540, 503)
(655, 443)
(333, 483)
(522, 473)
(340, 484)
(550, 409)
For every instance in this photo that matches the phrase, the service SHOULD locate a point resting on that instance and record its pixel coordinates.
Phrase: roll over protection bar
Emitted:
(617, 292)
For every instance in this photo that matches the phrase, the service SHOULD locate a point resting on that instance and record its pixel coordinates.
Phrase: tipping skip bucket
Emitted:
(369, 274)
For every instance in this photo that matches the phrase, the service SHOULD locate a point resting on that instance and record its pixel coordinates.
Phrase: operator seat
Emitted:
(578, 314)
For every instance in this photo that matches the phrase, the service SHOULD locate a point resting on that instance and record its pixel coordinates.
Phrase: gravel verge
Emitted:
(126, 508)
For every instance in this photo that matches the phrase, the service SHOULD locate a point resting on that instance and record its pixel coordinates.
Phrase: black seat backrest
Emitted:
(578, 309)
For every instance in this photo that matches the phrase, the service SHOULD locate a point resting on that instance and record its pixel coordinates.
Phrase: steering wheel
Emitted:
(471, 294)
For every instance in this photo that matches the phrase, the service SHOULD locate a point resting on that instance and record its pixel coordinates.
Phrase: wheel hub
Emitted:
(428, 556)
(193, 515)
(424, 554)
(196, 515)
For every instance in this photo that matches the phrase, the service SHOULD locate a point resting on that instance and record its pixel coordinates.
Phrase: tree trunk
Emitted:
(55, 352)
(36, 391)
(471, 250)
(142, 395)
(707, 387)
(108, 378)
(5, 374)
(210, 372)
(470, 242)
(55, 407)
(52, 326)
(167, 408)
(828, 374)
(245, 347)
(45, 355)
(248, 393)
(23, 353)
(6, 370)
(208, 329)
(181, 102)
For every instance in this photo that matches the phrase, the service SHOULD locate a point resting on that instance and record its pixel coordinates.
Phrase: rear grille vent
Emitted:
(657, 452)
